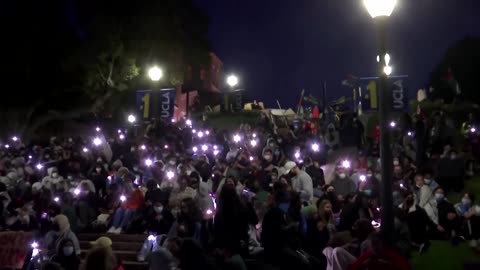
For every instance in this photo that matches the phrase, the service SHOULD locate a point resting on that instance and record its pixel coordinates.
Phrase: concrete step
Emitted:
(116, 245)
(130, 265)
(115, 237)
(121, 255)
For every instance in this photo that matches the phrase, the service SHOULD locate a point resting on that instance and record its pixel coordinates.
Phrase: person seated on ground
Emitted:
(319, 229)
(99, 177)
(181, 192)
(342, 183)
(187, 224)
(331, 195)
(86, 205)
(419, 224)
(447, 217)
(470, 212)
(159, 218)
(60, 231)
(425, 199)
(377, 256)
(25, 218)
(67, 256)
(52, 179)
(361, 230)
(131, 201)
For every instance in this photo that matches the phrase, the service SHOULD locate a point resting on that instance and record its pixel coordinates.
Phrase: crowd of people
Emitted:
(212, 199)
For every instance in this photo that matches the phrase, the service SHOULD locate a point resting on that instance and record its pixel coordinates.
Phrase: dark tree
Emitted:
(68, 59)
(463, 60)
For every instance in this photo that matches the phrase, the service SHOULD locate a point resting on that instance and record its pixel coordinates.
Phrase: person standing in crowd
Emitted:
(61, 231)
(315, 171)
(301, 181)
(342, 183)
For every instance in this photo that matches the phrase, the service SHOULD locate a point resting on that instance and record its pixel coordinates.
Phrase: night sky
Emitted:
(278, 47)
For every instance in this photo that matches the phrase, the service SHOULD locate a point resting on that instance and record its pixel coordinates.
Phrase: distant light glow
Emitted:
(375, 224)
(121, 137)
(85, 150)
(39, 166)
(393, 124)
(123, 198)
(215, 147)
(34, 245)
(251, 158)
(387, 70)
(297, 155)
(377, 8)
(119, 131)
(170, 174)
(254, 135)
(237, 138)
(410, 133)
(401, 185)
(131, 119)
(204, 147)
(346, 164)
(166, 146)
(315, 147)
(363, 178)
(194, 131)
(148, 162)
(155, 73)
(200, 134)
(215, 152)
(30, 157)
(7, 146)
(188, 122)
(232, 80)
(143, 147)
(97, 141)
(253, 143)
(14, 138)
(207, 132)
(76, 191)
(209, 212)
(98, 129)
(195, 149)
(473, 130)
(56, 199)
(152, 238)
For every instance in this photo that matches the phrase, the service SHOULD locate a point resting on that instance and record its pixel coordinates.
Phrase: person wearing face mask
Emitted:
(159, 217)
(52, 180)
(447, 217)
(99, 178)
(470, 212)
(267, 162)
(316, 172)
(67, 256)
(301, 181)
(429, 181)
(425, 199)
(342, 183)
(61, 231)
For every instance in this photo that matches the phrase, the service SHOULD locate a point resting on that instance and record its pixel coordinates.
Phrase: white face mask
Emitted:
(158, 209)
(267, 157)
(172, 162)
(428, 181)
(98, 170)
(342, 175)
(369, 175)
(54, 175)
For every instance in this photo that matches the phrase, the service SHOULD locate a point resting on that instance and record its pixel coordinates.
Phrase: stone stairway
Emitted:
(125, 247)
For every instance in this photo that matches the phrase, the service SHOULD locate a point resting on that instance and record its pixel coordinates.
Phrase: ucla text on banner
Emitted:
(369, 93)
(14, 248)
(156, 103)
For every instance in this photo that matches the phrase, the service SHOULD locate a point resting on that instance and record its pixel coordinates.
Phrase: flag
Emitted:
(300, 101)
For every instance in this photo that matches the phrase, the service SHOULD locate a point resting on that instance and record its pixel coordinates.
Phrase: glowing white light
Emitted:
(200, 134)
(194, 131)
(152, 238)
(14, 138)
(148, 162)
(363, 178)
(123, 198)
(34, 245)
(7, 146)
(237, 138)
(39, 166)
(253, 143)
(155, 73)
(388, 70)
(131, 118)
(188, 122)
(85, 150)
(375, 224)
(209, 212)
(377, 8)
(251, 158)
(216, 152)
(30, 157)
(98, 129)
(315, 147)
(401, 185)
(170, 174)
(76, 191)
(195, 149)
(56, 199)
(393, 124)
(121, 137)
(173, 120)
(378, 209)
(143, 147)
(254, 135)
(215, 147)
(410, 133)
(297, 155)
(346, 164)
(232, 80)
(207, 132)
(119, 131)
(97, 141)
(35, 252)
(472, 130)
(204, 147)
(166, 146)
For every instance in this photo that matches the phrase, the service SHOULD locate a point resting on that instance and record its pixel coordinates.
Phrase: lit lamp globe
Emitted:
(379, 8)
(131, 118)
(232, 80)
(155, 73)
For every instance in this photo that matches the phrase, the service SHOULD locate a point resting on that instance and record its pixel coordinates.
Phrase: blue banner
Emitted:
(157, 103)
(369, 93)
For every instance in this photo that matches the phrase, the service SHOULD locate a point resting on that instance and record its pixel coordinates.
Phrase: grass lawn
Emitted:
(442, 255)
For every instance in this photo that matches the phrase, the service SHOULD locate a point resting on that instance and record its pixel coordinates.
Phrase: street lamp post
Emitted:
(232, 81)
(380, 10)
